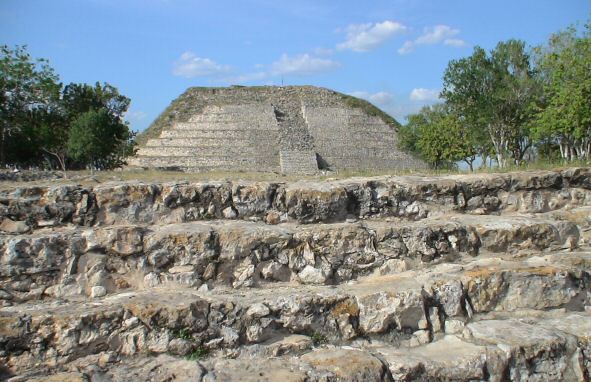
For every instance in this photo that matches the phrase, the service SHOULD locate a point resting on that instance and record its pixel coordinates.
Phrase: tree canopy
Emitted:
(495, 93)
(28, 89)
(565, 117)
(41, 121)
(513, 102)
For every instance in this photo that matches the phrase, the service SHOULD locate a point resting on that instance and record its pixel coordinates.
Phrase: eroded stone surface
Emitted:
(408, 278)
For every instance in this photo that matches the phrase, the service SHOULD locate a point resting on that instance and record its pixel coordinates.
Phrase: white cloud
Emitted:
(189, 65)
(454, 42)
(422, 94)
(136, 115)
(379, 98)
(434, 35)
(366, 37)
(323, 51)
(300, 65)
(407, 47)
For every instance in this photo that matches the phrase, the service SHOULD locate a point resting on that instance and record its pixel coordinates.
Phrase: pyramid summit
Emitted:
(287, 129)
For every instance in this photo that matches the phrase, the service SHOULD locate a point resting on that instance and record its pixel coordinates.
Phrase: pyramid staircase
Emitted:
(232, 137)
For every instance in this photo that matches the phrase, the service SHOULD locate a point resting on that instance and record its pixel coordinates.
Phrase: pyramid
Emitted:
(292, 130)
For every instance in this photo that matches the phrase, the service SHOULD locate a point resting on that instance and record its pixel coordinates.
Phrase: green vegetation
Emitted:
(197, 354)
(440, 137)
(512, 104)
(183, 334)
(368, 108)
(44, 124)
(319, 338)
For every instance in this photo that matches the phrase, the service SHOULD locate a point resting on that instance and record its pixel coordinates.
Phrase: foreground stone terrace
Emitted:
(391, 278)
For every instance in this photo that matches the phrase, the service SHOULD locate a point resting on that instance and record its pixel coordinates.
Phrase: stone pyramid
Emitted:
(292, 129)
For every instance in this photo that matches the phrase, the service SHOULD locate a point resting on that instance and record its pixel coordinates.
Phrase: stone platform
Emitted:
(455, 278)
(292, 130)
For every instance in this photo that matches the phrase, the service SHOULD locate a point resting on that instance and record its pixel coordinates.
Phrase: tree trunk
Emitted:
(3, 147)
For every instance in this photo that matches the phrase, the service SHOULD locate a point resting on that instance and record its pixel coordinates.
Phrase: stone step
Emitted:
(402, 197)
(207, 162)
(238, 151)
(517, 350)
(372, 164)
(377, 140)
(531, 348)
(225, 142)
(208, 125)
(408, 309)
(220, 134)
(248, 254)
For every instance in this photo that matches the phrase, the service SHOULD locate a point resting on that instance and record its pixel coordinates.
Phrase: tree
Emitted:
(439, 137)
(77, 100)
(80, 98)
(495, 94)
(98, 139)
(26, 86)
(565, 115)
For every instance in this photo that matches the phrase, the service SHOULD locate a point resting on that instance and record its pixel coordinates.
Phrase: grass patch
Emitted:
(319, 338)
(197, 354)
(183, 334)
(159, 176)
(369, 109)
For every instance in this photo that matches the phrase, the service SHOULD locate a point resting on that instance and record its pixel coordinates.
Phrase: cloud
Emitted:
(323, 52)
(367, 37)
(136, 115)
(189, 65)
(379, 98)
(434, 35)
(454, 42)
(422, 94)
(301, 65)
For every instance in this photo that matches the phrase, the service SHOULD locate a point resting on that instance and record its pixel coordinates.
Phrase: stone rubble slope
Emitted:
(456, 278)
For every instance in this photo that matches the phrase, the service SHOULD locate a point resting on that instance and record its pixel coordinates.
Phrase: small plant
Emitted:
(197, 354)
(184, 334)
(319, 338)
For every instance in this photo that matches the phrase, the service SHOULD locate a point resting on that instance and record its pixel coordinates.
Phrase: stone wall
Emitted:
(347, 138)
(279, 129)
(298, 161)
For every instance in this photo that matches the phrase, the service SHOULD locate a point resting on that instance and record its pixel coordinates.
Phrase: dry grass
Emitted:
(85, 178)
(345, 307)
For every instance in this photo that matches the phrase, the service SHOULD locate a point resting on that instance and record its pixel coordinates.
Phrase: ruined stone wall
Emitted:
(349, 139)
(280, 129)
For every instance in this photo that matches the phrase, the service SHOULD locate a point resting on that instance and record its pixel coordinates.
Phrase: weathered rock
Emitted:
(447, 359)
(349, 365)
(532, 351)
(387, 276)
(404, 197)
(11, 226)
(97, 291)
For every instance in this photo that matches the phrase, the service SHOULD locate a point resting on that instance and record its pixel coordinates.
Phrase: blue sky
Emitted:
(390, 52)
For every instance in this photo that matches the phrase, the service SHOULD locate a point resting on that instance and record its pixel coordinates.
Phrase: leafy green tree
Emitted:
(80, 98)
(77, 100)
(408, 135)
(565, 115)
(99, 139)
(439, 137)
(51, 130)
(26, 87)
(494, 94)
